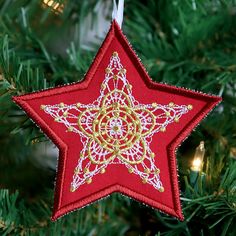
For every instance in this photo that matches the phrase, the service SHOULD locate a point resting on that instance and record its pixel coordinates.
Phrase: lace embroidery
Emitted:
(116, 129)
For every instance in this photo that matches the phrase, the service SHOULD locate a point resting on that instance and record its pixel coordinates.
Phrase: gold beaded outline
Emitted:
(96, 161)
(79, 121)
(153, 121)
(116, 91)
(127, 142)
(136, 161)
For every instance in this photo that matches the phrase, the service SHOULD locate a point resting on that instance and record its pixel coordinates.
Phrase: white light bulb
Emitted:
(196, 165)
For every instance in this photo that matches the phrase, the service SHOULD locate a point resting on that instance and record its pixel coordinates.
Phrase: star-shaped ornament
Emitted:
(117, 131)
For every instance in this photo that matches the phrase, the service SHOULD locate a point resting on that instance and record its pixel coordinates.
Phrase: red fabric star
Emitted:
(117, 131)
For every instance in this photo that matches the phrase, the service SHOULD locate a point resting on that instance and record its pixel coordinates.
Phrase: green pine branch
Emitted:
(185, 43)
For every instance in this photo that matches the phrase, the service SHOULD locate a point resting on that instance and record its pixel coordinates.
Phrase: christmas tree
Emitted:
(184, 43)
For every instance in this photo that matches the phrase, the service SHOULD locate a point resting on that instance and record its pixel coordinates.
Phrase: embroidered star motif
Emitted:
(116, 129)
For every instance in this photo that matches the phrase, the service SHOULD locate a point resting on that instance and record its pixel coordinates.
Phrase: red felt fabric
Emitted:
(117, 178)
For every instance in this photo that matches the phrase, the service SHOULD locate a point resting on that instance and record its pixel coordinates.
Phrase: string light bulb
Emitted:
(197, 163)
(54, 5)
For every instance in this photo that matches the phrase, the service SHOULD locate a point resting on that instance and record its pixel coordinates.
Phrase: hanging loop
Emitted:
(118, 12)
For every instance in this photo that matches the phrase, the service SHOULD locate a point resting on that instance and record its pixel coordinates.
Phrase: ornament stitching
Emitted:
(116, 128)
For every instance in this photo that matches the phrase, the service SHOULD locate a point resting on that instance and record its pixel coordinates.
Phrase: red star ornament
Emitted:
(117, 131)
